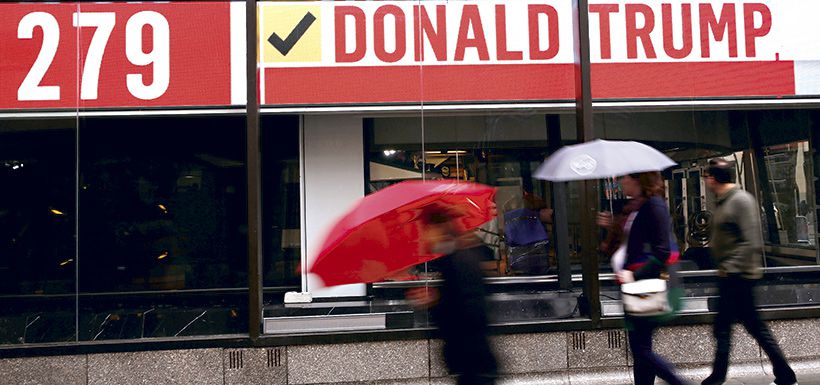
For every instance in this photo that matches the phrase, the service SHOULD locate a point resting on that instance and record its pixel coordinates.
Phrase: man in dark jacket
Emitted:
(736, 246)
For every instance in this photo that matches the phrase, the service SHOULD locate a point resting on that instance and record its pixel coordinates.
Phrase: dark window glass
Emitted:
(162, 229)
(281, 221)
(37, 221)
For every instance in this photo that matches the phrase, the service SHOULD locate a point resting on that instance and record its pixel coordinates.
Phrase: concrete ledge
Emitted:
(409, 381)
(797, 338)
(255, 366)
(516, 353)
(597, 357)
(57, 370)
(594, 349)
(526, 353)
(171, 367)
(695, 344)
(372, 361)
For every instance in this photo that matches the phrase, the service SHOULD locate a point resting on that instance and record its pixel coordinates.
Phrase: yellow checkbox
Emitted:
(290, 33)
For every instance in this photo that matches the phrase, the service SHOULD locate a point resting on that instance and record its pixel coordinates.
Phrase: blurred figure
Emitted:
(639, 243)
(736, 247)
(459, 308)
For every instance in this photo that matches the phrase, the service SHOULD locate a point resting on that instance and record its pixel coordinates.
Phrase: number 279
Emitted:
(31, 89)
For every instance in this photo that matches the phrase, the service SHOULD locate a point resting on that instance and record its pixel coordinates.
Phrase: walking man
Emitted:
(736, 246)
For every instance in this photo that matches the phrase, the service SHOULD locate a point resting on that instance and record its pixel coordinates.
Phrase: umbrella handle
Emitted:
(611, 188)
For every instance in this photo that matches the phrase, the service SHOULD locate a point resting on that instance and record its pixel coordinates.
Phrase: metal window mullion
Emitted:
(253, 166)
(589, 195)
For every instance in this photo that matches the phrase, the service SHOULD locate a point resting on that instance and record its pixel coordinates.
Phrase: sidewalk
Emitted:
(808, 373)
(804, 379)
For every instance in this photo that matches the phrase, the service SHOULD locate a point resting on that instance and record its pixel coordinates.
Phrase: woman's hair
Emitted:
(651, 183)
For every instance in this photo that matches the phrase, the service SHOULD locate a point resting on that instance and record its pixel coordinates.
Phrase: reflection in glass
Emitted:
(771, 156)
(500, 151)
(791, 169)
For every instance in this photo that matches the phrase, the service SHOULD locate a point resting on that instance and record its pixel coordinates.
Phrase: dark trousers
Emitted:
(737, 303)
(469, 357)
(647, 363)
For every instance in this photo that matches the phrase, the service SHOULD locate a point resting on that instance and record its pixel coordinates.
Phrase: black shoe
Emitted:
(712, 381)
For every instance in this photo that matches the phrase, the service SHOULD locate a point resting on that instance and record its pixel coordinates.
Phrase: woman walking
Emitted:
(639, 242)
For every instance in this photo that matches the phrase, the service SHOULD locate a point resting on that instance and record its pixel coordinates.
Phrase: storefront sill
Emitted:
(708, 318)
(244, 341)
(121, 346)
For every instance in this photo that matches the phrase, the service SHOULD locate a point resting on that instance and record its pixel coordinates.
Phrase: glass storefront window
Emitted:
(500, 151)
(281, 219)
(38, 258)
(162, 227)
(771, 154)
(790, 167)
(772, 158)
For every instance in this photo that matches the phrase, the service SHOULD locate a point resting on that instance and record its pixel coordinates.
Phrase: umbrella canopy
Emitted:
(600, 159)
(380, 236)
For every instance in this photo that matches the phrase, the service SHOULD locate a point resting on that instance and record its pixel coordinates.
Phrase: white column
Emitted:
(333, 179)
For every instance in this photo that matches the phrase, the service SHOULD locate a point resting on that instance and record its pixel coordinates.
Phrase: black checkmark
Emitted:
(284, 46)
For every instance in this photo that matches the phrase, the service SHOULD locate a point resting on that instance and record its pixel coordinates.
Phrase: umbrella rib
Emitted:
(473, 203)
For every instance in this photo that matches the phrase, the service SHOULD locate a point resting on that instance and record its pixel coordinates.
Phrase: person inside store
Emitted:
(736, 245)
(526, 236)
(459, 307)
(643, 221)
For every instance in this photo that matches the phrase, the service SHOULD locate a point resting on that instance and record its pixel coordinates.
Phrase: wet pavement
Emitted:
(802, 379)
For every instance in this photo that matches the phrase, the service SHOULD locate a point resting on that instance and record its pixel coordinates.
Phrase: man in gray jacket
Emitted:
(736, 246)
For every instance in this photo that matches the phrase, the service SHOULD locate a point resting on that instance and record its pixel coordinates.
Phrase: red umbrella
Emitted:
(380, 235)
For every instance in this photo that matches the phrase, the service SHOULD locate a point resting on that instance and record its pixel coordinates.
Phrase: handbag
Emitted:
(655, 296)
(646, 297)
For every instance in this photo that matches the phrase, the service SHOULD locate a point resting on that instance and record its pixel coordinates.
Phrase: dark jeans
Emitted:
(737, 303)
(647, 363)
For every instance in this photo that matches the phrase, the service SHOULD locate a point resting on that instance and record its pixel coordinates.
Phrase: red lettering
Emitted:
(342, 56)
(752, 33)
(603, 11)
(718, 27)
(534, 10)
(501, 36)
(437, 37)
(378, 36)
(470, 17)
(633, 33)
(669, 36)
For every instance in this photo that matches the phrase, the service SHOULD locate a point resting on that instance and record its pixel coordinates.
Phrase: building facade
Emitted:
(169, 170)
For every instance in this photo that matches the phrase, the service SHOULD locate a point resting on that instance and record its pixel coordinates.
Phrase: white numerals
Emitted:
(159, 55)
(103, 23)
(30, 88)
